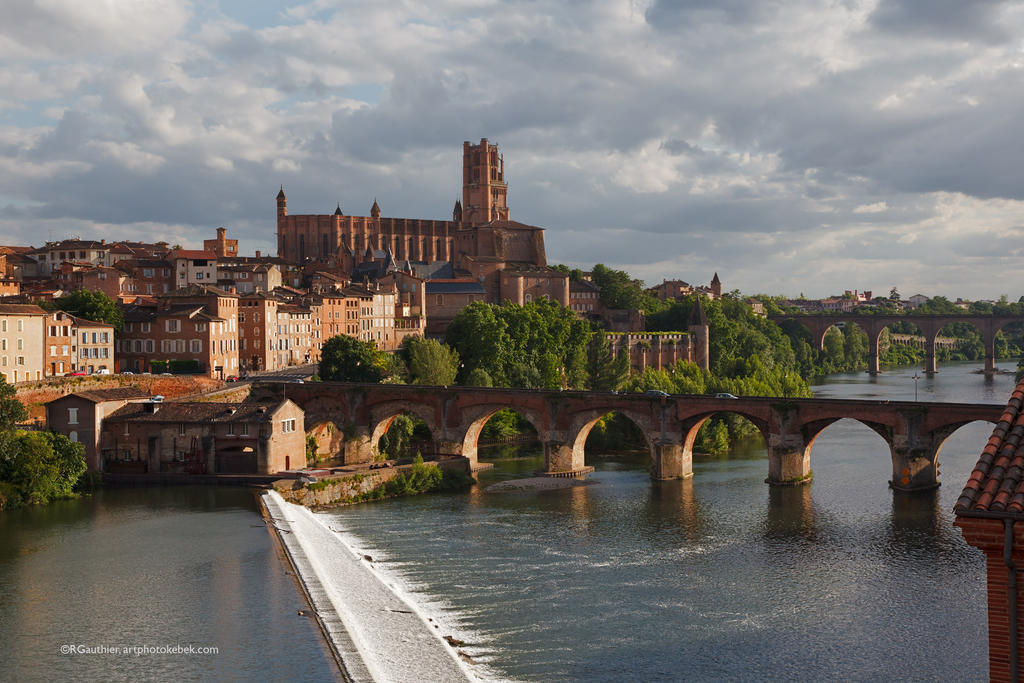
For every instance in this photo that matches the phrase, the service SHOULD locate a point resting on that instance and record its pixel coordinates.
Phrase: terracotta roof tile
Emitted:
(997, 482)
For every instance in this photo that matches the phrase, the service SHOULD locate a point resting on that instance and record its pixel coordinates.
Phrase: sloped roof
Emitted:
(21, 309)
(197, 411)
(997, 483)
(100, 395)
(454, 287)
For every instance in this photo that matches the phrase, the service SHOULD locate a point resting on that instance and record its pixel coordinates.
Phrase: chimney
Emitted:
(257, 253)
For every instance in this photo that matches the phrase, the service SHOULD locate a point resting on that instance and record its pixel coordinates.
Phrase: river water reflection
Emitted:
(717, 577)
(151, 567)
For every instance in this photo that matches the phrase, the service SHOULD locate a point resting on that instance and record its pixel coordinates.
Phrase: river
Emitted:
(718, 577)
(170, 567)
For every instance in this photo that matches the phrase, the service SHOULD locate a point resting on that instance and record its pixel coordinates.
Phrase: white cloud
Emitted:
(789, 146)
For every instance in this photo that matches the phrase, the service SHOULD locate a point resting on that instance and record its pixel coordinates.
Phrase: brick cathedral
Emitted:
(480, 244)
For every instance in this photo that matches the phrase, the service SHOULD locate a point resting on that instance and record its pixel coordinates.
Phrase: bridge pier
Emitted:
(562, 457)
(913, 469)
(930, 364)
(671, 461)
(358, 447)
(789, 461)
(989, 333)
(873, 368)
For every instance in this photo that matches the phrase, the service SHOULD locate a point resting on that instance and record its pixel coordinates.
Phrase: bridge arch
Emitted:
(572, 456)
(476, 418)
(692, 427)
(382, 415)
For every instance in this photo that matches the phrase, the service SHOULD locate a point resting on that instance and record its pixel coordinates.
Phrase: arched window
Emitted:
(73, 436)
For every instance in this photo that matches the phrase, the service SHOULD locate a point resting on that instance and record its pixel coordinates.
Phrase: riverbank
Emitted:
(376, 634)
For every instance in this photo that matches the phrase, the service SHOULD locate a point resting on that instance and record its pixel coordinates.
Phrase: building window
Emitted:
(288, 426)
(73, 435)
(127, 428)
(72, 416)
(181, 429)
(245, 429)
(231, 429)
(170, 326)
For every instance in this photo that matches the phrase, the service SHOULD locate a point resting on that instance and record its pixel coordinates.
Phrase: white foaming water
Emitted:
(437, 613)
(397, 638)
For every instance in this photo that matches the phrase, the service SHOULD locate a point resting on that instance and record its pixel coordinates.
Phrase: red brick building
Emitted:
(204, 438)
(194, 328)
(481, 242)
(79, 417)
(990, 514)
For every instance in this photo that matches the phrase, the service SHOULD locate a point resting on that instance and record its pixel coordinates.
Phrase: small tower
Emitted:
(457, 212)
(698, 326)
(484, 191)
(337, 212)
(375, 209)
(716, 287)
(282, 217)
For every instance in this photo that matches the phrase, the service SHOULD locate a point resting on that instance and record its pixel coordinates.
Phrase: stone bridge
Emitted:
(357, 415)
(930, 325)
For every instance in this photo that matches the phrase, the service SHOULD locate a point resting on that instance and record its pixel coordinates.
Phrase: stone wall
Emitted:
(347, 488)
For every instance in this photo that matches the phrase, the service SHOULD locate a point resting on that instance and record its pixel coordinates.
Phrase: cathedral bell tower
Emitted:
(484, 190)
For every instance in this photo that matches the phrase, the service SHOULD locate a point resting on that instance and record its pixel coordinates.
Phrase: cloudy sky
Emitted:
(794, 147)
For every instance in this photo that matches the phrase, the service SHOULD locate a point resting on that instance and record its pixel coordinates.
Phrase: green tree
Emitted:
(12, 411)
(479, 378)
(347, 359)
(398, 436)
(605, 371)
(92, 305)
(431, 362)
(541, 345)
(619, 290)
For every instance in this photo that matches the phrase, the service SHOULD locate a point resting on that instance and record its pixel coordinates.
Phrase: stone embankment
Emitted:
(325, 488)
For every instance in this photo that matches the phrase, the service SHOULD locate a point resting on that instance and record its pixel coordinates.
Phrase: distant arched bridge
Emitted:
(359, 414)
(930, 325)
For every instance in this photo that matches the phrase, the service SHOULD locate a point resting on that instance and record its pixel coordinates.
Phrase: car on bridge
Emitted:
(656, 392)
(725, 395)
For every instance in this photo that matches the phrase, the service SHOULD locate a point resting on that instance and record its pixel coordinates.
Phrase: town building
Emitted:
(193, 329)
(989, 513)
(79, 416)
(204, 438)
(245, 278)
(60, 344)
(22, 335)
(585, 298)
(95, 346)
(221, 245)
(257, 332)
(295, 336)
(446, 297)
(192, 267)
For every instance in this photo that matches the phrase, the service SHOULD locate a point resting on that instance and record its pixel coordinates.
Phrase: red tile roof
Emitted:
(997, 482)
